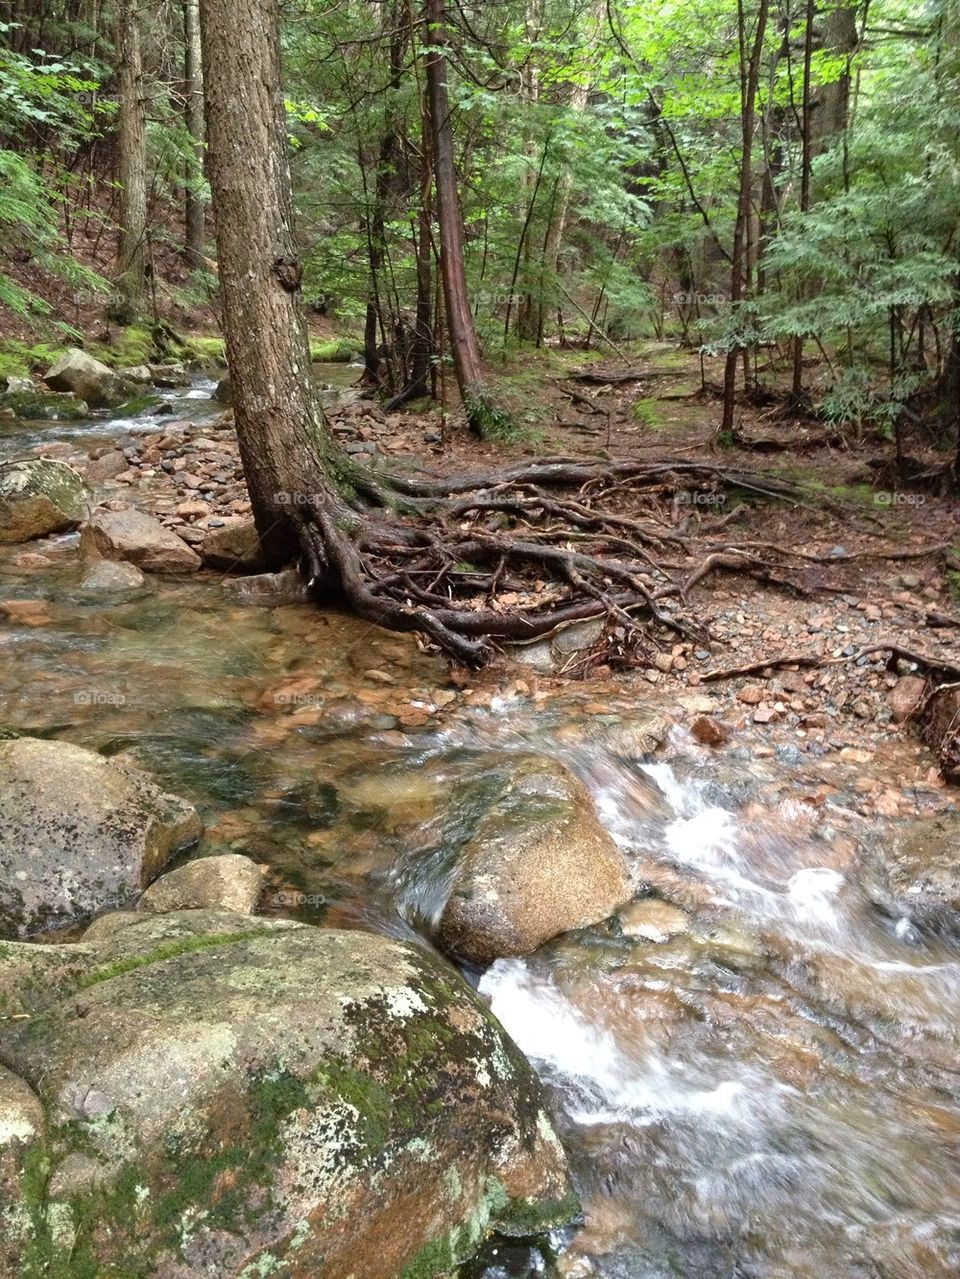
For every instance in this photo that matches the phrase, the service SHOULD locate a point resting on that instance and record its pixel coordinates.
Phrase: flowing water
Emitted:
(771, 1091)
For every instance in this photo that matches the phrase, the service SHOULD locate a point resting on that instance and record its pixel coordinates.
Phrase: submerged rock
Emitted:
(225, 882)
(38, 498)
(653, 920)
(135, 536)
(112, 577)
(86, 377)
(270, 589)
(916, 874)
(78, 833)
(537, 864)
(232, 1096)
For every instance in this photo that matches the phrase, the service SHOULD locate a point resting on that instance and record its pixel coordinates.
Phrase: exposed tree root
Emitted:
(934, 666)
(475, 559)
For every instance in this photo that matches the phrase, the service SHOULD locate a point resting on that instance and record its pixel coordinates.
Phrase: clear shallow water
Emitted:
(20, 438)
(772, 1093)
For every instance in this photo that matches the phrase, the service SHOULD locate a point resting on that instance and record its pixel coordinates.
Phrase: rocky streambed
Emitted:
(314, 951)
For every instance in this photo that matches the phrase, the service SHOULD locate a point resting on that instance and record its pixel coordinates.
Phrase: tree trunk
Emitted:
(749, 80)
(289, 458)
(831, 102)
(131, 266)
(463, 335)
(806, 156)
(193, 118)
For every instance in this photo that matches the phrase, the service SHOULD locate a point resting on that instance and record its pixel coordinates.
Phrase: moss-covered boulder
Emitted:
(231, 1096)
(78, 833)
(79, 372)
(22, 1131)
(538, 864)
(39, 497)
(37, 405)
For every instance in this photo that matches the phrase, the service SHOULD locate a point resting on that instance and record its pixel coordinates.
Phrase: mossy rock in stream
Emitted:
(38, 497)
(238, 1096)
(45, 406)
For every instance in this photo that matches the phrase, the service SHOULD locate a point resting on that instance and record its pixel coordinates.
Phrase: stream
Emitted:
(764, 1086)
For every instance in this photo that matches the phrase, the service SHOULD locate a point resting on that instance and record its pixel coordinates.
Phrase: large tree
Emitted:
(428, 555)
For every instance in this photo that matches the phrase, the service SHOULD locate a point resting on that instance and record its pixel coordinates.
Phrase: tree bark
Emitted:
(193, 118)
(806, 156)
(749, 80)
(289, 458)
(131, 265)
(464, 345)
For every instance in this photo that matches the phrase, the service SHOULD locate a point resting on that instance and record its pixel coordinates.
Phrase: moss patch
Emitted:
(334, 350)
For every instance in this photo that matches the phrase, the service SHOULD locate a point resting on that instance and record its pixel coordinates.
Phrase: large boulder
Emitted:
(139, 538)
(915, 873)
(538, 863)
(39, 497)
(87, 378)
(78, 833)
(230, 1096)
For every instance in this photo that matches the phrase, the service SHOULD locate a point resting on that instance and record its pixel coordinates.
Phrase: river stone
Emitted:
(18, 385)
(105, 467)
(112, 577)
(39, 497)
(916, 874)
(235, 548)
(86, 377)
(37, 405)
(78, 833)
(225, 882)
(168, 376)
(260, 1097)
(139, 538)
(537, 864)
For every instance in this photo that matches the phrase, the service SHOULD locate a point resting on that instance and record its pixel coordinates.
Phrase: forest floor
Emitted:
(874, 564)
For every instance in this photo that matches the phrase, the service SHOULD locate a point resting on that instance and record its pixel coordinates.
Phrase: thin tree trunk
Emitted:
(463, 335)
(193, 118)
(805, 160)
(749, 79)
(131, 266)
